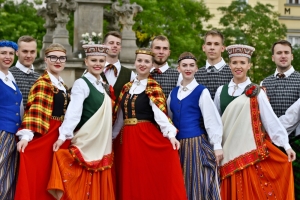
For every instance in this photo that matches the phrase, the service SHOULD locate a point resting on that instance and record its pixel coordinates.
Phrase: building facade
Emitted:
(289, 11)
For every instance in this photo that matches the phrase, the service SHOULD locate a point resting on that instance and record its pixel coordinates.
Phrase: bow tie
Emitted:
(156, 70)
(280, 75)
(111, 66)
(212, 69)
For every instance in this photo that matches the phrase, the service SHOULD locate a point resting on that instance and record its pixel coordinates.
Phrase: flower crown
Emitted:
(91, 38)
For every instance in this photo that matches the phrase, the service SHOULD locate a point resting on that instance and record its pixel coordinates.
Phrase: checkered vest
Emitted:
(24, 81)
(282, 92)
(167, 80)
(213, 80)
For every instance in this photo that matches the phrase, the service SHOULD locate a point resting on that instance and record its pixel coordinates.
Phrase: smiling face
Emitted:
(239, 67)
(55, 61)
(115, 46)
(282, 57)
(6, 58)
(26, 53)
(188, 68)
(143, 64)
(95, 65)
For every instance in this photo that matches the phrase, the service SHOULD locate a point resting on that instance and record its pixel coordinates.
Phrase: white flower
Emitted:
(99, 34)
(83, 35)
(93, 34)
(87, 34)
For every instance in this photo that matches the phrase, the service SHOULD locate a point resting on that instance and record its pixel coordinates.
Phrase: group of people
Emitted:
(162, 133)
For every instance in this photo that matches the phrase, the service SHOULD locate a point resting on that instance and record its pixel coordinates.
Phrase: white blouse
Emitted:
(160, 117)
(212, 120)
(27, 134)
(269, 120)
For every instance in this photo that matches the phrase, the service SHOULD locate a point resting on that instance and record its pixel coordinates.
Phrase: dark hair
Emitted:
(113, 33)
(214, 33)
(160, 37)
(186, 55)
(282, 42)
(26, 38)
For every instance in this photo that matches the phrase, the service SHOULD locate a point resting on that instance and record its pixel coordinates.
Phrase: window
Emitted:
(294, 40)
(293, 2)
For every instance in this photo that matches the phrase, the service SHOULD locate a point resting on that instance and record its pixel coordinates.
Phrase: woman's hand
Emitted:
(21, 145)
(175, 143)
(57, 144)
(219, 155)
(291, 155)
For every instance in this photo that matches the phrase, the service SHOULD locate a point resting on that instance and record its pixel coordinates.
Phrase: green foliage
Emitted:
(179, 20)
(296, 61)
(256, 26)
(20, 19)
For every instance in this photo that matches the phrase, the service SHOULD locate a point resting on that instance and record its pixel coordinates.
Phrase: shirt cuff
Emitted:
(62, 137)
(171, 135)
(217, 146)
(287, 146)
(24, 137)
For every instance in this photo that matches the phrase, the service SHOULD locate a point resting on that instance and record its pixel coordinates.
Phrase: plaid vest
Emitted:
(282, 92)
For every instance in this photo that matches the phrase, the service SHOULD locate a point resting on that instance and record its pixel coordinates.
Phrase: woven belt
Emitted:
(133, 121)
(61, 118)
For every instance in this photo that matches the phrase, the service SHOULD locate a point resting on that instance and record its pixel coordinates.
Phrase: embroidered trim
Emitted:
(256, 155)
(98, 165)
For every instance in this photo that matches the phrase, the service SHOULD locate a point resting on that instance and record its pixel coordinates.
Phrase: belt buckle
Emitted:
(130, 121)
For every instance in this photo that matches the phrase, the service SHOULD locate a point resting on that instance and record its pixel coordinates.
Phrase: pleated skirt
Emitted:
(8, 165)
(147, 167)
(271, 178)
(199, 167)
(35, 165)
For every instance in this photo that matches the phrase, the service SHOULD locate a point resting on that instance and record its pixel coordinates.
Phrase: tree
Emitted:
(296, 60)
(179, 20)
(20, 19)
(256, 26)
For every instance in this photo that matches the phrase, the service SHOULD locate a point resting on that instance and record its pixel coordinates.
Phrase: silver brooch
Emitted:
(98, 82)
(185, 89)
(138, 83)
(6, 79)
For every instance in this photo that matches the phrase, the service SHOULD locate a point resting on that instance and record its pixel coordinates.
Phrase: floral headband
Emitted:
(6, 43)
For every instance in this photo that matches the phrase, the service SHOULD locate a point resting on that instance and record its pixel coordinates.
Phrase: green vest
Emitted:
(122, 79)
(91, 104)
(225, 98)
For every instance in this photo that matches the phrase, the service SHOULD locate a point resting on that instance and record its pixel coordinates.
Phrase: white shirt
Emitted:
(287, 73)
(212, 120)
(269, 120)
(168, 129)
(27, 134)
(219, 66)
(162, 68)
(8, 80)
(291, 119)
(80, 91)
(24, 69)
(110, 75)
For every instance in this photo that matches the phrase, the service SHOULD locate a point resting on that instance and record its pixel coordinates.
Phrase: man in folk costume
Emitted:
(166, 77)
(283, 89)
(23, 71)
(252, 168)
(84, 170)
(114, 73)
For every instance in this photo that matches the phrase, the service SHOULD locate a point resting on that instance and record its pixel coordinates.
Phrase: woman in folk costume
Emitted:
(146, 157)
(188, 104)
(84, 170)
(44, 112)
(11, 111)
(252, 167)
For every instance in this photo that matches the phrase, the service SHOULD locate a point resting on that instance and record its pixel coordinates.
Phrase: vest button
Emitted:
(17, 114)
(17, 124)
(17, 103)
(16, 93)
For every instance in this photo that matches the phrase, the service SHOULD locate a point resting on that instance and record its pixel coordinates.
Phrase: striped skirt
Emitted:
(199, 165)
(8, 165)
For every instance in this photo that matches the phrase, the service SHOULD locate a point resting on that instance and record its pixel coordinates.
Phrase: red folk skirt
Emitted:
(271, 178)
(146, 165)
(35, 165)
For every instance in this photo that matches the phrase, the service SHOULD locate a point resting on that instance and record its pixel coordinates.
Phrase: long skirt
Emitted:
(8, 165)
(147, 167)
(35, 165)
(71, 181)
(271, 178)
(199, 166)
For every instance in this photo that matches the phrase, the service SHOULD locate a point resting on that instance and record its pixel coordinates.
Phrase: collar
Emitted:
(116, 64)
(142, 82)
(192, 85)
(54, 79)
(92, 78)
(9, 76)
(287, 73)
(240, 85)
(162, 68)
(218, 66)
(24, 69)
